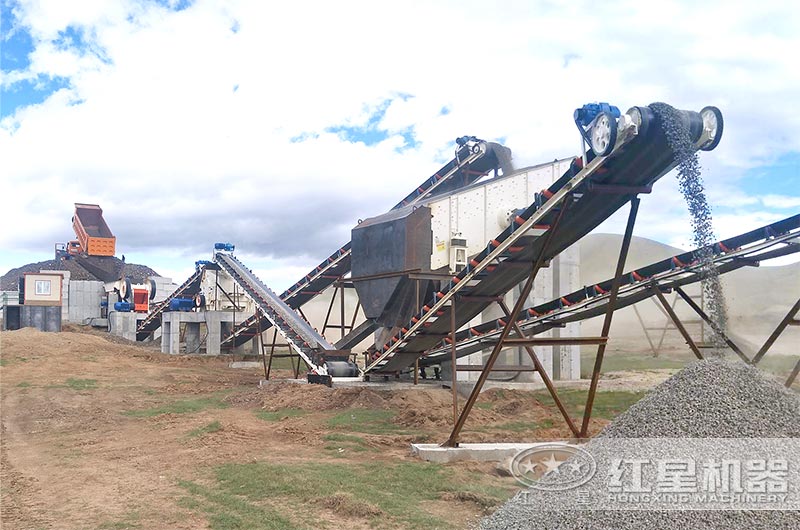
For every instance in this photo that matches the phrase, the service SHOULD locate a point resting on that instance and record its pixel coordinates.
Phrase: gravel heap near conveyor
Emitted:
(713, 398)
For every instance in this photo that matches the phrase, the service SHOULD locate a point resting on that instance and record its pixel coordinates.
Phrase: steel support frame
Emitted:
(697, 309)
(339, 288)
(460, 419)
(612, 306)
(267, 359)
(788, 320)
(677, 321)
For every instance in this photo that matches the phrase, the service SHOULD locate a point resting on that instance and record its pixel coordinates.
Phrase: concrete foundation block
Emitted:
(123, 324)
(476, 452)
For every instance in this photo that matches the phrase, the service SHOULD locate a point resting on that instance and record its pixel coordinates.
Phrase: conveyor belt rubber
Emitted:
(298, 333)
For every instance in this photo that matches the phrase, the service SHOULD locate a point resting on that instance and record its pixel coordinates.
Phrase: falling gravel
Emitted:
(690, 183)
(712, 398)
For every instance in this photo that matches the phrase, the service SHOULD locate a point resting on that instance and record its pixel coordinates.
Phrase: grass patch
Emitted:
(184, 406)
(524, 426)
(23, 384)
(280, 414)
(395, 491)
(345, 442)
(485, 405)
(214, 426)
(81, 384)
(130, 521)
(607, 405)
(618, 362)
(370, 421)
(227, 510)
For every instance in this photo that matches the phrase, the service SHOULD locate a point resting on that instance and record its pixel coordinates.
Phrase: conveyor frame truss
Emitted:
(512, 330)
(527, 343)
(749, 249)
(148, 326)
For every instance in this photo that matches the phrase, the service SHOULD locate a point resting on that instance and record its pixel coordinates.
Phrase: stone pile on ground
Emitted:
(715, 398)
(114, 266)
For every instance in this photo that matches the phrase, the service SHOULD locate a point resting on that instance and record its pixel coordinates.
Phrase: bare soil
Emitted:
(92, 436)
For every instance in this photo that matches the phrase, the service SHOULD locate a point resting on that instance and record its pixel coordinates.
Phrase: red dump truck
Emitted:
(94, 236)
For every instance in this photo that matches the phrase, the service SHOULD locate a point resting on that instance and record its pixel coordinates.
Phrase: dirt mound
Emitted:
(430, 408)
(19, 342)
(283, 395)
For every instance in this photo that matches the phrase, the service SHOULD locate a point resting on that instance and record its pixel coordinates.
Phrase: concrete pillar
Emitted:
(192, 337)
(567, 280)
(171, 334)
(216, 330)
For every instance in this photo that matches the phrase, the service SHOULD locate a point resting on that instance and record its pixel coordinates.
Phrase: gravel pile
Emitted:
(112, 267)
(714, 398)
(690, 183)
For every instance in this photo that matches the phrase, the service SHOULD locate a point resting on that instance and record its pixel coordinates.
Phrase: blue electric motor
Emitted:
(123, 307)
(181, 304)
(202, 263)
(586, 114)
(227, 247)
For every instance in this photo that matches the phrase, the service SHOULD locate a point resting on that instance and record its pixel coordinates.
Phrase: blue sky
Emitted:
(277, 127)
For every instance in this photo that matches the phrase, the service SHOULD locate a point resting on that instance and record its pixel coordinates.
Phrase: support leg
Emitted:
(697, 309)
(788, 319)
(612, 303)
(677, 322)
(452, 441)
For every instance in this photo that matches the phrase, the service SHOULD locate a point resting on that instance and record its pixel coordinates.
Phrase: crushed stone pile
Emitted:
(111, 266)
(707, 399)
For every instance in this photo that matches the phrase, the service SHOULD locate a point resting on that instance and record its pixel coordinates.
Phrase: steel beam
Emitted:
(497, 368)
(612, 303)
(554, 341)
(697, 309)
(787, 320)
(678, 324)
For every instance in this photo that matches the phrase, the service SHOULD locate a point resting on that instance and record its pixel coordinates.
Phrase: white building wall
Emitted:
(84, 300)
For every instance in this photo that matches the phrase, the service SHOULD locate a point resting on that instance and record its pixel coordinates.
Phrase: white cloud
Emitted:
(182, 128)
(780, 201)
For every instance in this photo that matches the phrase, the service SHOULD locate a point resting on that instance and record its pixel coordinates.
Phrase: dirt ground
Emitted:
(102, 433)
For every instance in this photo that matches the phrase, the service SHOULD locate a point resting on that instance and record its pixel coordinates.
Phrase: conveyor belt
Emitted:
(636, 161)
(470, 164)
(749, 249)
(298, 333)
(152, 322)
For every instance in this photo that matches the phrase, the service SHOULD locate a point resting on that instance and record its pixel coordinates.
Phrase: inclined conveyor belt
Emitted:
(590, 195)
(152, 322)
(745, 250)
(299, 334)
